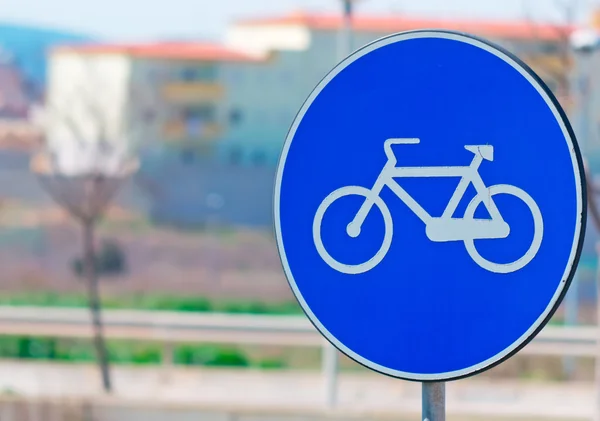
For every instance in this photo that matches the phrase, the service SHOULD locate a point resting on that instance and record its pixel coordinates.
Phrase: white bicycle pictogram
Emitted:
(438, 229)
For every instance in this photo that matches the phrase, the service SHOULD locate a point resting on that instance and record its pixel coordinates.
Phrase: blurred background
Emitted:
(139, 277)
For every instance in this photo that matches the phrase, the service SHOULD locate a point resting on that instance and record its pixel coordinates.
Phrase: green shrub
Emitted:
(193, 354)
(257, 307)
(271, 364)
(210, 356)
(36, 348)
(151, 354)
(184, 354)
(228, 357)
(152, 301)
(119, 352)
(126, 352)
(110, 260)
(169, 303)
(9, 347)
(76, 351)
(250, 307)
(290, 307)
(67, 300)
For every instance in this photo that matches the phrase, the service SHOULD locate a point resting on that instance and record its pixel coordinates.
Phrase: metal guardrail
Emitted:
(177, 327)
(170, 328)
(173, 327)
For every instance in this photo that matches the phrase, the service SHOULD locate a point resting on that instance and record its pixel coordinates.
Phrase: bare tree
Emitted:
(568, 12)
(84, 174)
(554, 66)
(557, 66)
(593, 191)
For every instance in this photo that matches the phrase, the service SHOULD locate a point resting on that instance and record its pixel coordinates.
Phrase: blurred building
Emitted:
(585, 82)
(17, 98)
(585, 119)
(213, 117)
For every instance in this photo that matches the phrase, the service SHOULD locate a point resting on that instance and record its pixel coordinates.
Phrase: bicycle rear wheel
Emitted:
(387, 238)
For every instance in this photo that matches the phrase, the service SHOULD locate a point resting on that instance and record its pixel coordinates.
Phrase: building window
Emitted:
(207, 73)
(196, 119)
(235, 117)
(235, 156)
(259, 158)
(189, 74)
(188, 156)
(199, 73)
(202, 112)
(549, 48)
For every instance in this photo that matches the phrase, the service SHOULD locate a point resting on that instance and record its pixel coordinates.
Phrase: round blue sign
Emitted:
(429, 205)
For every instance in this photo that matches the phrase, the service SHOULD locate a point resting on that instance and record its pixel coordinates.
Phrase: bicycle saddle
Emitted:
(486, 151)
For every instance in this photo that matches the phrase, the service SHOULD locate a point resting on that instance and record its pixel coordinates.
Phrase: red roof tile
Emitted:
(165, 50)
(389, 24)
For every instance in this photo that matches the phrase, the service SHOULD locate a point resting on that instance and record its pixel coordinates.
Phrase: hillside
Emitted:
(28, 46)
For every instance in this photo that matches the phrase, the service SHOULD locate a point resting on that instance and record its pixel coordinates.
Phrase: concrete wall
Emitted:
(17, 182)
(192, 191)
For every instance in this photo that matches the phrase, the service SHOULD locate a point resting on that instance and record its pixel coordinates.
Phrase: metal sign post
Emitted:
(330, 371)
(434, 401)
(597, 360)
(429, 207)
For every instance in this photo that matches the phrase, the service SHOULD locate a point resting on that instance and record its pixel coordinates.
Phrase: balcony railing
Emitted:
(177, 131)
(192, 92)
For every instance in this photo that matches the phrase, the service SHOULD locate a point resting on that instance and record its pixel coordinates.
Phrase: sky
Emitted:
(151, 19)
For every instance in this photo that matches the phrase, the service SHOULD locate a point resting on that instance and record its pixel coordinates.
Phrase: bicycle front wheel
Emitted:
(538, 230)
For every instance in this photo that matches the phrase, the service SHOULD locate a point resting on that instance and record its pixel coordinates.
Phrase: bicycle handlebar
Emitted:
(387, 146)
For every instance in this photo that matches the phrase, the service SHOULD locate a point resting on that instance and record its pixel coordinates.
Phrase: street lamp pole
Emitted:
(584, 44)
(348, 9)
(330, 354)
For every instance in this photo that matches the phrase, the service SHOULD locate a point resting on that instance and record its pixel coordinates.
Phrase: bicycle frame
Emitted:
(468, 174)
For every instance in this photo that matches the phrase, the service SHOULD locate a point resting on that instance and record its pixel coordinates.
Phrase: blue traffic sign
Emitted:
(429, 205)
